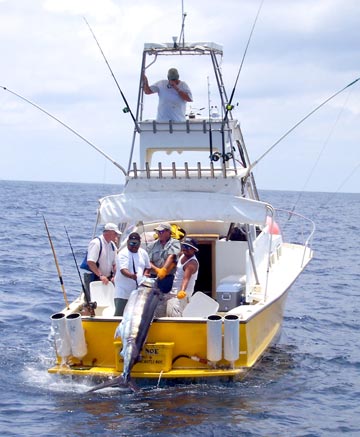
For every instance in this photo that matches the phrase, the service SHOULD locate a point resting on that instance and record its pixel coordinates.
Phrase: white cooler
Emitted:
(230, 292)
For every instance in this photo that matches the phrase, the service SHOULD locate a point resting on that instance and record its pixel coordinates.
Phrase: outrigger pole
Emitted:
(297, 124)
(127, 108)
(57, 264)
(67, 127)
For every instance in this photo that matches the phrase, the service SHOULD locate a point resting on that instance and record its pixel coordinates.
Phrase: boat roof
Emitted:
(191, 48)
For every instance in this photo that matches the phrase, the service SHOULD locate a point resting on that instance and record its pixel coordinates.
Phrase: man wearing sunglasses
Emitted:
(187, 270)
(132, 263)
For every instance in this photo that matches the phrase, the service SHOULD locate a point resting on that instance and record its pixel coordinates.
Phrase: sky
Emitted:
(301, 52)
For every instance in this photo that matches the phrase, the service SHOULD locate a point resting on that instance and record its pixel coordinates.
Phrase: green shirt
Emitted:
(158, 253)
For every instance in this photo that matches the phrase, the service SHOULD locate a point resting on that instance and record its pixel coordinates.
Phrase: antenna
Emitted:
(182, 34)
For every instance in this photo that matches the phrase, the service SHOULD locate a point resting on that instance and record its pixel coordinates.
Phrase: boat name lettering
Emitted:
(153, 351)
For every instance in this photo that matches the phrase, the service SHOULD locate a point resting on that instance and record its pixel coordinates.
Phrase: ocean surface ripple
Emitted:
(307, 385)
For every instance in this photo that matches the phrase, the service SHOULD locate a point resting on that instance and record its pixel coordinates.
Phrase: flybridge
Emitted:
(192, 48)
(213, 135)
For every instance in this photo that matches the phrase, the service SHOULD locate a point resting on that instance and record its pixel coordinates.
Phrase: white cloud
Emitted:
(301, 52)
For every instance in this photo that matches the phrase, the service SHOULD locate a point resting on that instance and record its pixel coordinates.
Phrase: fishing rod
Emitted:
(298, 124)
(229, 106)
(210, 127)
(127, 108)
(57, 265)
(90, 305)
(66, 126)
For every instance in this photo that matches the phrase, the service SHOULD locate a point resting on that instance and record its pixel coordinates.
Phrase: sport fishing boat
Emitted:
(246, 267)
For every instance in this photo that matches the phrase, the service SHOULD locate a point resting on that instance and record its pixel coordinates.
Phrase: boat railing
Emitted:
(190, 125)
(183, 172)
(302, 228)
(188, 136)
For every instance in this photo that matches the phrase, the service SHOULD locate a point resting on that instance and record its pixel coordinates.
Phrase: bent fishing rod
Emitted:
(90, 305)
(57, 264)
(127, 108)
(67, 127)
(298, 124)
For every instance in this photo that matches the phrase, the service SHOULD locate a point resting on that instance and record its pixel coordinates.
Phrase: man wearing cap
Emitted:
(132, 263)
(101, 254)
(173, 95)
(163, 253)
(187, 270)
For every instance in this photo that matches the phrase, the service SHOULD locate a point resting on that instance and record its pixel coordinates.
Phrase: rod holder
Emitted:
(214, 338)
(61, 336)
(231, 338)
(76, 335)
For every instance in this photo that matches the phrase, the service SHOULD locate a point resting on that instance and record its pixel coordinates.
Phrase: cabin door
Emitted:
(206, 277)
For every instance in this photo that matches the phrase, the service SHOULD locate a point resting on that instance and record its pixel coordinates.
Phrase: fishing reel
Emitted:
(91, 306)
(217, 155)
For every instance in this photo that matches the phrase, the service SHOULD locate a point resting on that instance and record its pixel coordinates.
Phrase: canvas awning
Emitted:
(180, 205)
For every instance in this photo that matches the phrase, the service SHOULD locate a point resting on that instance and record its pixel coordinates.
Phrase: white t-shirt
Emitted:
(135, 263)
(171, 106)
(107, 256)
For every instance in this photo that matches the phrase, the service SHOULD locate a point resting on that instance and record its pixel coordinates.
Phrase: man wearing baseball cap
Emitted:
(173, 95)
(132, 263)
(101, 255)
(163, 253)
(187, 270)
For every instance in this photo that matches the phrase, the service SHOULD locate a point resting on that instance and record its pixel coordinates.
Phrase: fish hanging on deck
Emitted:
(133, 330)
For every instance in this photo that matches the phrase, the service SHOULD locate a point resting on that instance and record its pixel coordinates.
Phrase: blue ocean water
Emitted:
(307, 385)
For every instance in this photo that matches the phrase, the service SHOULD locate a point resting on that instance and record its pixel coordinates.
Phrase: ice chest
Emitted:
(230, 293)
(155, 357)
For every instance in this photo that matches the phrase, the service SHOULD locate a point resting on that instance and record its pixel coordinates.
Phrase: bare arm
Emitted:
(94, 268)
(185, 96)
(190, 268)
(146, 87)
(128, 274)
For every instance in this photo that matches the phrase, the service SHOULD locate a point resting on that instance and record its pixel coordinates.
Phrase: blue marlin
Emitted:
(133, 330)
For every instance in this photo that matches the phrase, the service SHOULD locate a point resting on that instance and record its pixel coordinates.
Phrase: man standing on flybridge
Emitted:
(173, 95)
